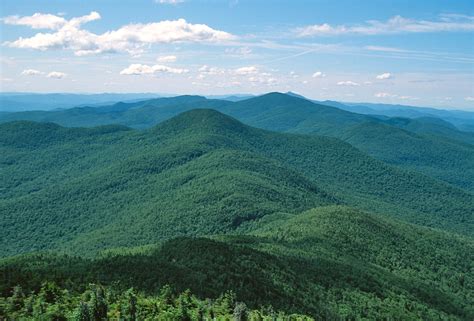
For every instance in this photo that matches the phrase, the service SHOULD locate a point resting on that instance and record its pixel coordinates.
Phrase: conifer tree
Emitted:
(82, 313)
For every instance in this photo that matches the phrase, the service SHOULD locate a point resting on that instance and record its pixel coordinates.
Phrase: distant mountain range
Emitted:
(429, 145)
(14, 102)
(463, 120)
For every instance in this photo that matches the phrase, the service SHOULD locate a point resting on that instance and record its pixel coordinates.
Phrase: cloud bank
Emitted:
(396, 24)
(139, 69)
(131, 38)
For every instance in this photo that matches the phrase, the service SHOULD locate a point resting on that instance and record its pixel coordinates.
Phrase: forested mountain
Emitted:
(199, 173)
(331, 262)
(428, 145)
(306, 224)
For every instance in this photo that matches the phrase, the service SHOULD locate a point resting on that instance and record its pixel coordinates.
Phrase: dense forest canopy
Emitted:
(429, 145)
(121, 223)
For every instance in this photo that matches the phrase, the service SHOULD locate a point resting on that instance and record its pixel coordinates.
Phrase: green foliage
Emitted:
(332, 262)
(200, 173)
(282, 213)
(429, 145)
(129, 306)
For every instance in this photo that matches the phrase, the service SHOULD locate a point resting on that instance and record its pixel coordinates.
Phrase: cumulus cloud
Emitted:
(246, 70)
(293, 74)
(318, 74)
(206, 70)
(139, 69)
(389, 95)
(394, 25)
(347, 83)
(131, 38)
(36, 21)
(385, 95)
(166, 59)
(31, 72)
(384, 76)
(469, 98)
(263, 80)
(56, 75)
(52, 74)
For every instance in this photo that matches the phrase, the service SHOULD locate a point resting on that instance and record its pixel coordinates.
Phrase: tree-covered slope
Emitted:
(199, 173)
(141, 114)
(444, 154)
(331, 263)
(445, 159)
(428, 145)
(432, 126)
(93, 193)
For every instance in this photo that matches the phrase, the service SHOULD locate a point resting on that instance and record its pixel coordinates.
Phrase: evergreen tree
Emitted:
(98, 304)
(225, 303)
(184, 306)
(166, 295)
(129, 308)
(15, 302)
(50, 292)
(82, 313)
(240, 312)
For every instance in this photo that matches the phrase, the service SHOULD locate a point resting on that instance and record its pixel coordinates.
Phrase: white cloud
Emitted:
(396, 24)
(469, 98)
(31, 72)
(318, 74)
(166, 59)
(385, 95)
(263, 80)
(384, 76)
(36, 21)
(347, 83)
(139, 69)
(131, 38)
(206, 70)
(56, 75)
(239, 52)
(389, 95)
(174, 2)
(246, 70)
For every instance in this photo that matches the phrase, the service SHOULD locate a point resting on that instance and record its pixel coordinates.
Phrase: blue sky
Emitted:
(407, 52)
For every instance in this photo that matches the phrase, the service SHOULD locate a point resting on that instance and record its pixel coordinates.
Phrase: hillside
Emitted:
(330, 262)
(427, 145)
(445, 154)
(199, 173)
(141, 114)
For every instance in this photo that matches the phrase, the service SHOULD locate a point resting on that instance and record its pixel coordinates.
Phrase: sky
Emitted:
(418, 53)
